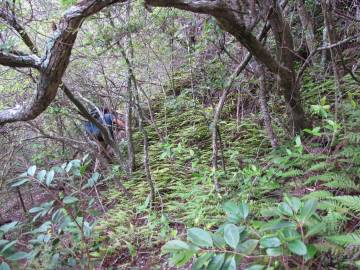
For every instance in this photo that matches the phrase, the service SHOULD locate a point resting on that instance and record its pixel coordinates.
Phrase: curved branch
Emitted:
(9, 17)
(55, 61)
(19, 60)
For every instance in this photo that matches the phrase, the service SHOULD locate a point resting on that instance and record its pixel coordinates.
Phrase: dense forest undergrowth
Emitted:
(157, 134)
(309, 167)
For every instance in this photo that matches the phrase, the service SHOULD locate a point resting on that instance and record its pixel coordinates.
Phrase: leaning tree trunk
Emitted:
(230, 16)
(264, 106)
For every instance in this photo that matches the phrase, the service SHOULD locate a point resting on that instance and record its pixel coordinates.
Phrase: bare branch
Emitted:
(19, 60)
(9, 17)
(198, 6)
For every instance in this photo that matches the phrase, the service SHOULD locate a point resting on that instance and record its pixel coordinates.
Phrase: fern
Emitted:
(343, 184)
(345, 240)
(320, 195)
(351, 202)
(318, 167)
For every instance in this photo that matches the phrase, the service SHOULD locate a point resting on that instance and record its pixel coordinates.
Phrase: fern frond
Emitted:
(345, 240)
(343, 184)
(320, 195)
(351, 202)
(318, 166)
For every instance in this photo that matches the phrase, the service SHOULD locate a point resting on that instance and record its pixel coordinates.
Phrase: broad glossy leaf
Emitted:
(231, 235)
(276, 225)
(70, 200)
(229, 264)
(7, 246)
(218, 240)
(256, 267)
(50, 177)
(297, 247)
(294, 203)
(181, 258)
(20, 255)
(200, 237)
(35, 210)
(270, 242)
(201, 261)
(244, 210)
(248, 246)
(175, 245)
(41, 175)
(216, 262)
(4, 266)
(285, 209)
(20, 182)
(9, 226)
(290, 234)
(274, 252)
(311, 252)
(31, 171)
(308, 209)
(3, 242)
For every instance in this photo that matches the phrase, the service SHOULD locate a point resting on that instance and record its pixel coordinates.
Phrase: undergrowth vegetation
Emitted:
(321, 166)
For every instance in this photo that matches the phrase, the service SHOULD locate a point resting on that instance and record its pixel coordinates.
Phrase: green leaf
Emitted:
(41, 175)
(236, 212)
(3, 242)
(181, 258)
(7, 246)
(308, 209)
(218, 241)
(20, 255)
(277, 225)
(20, 182)
(243, 210)
(232, 210)
(274, 252)
(256, 267)
(131, 249)
(248, 246)
(201, 261)
(229, 264)
(311, 252)
(50, 177)
(175, 245)
(35, 210)
(4, 266)
(31, 171)
(270, 242)
(231, 235)
(70, 200)
(290, 234)
(285, 209)
(297, 247)
(200, 237)
(9, 226)
(294, 203)
(216, 262)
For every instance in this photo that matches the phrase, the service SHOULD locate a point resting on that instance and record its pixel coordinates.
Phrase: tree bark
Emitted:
(307, 23)
(53, 64)
(264, 106)
(228, 15)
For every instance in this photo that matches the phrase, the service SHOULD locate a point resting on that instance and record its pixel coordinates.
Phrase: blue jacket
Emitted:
(93, 131)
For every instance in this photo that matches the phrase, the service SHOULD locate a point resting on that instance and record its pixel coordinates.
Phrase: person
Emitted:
(105, 117)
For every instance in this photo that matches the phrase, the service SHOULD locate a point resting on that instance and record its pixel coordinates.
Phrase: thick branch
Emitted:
(19, 61)
(55, 61)
(198, 6)
(227, 16)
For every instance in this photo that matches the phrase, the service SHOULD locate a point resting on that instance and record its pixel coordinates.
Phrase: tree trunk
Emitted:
(264, 106)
